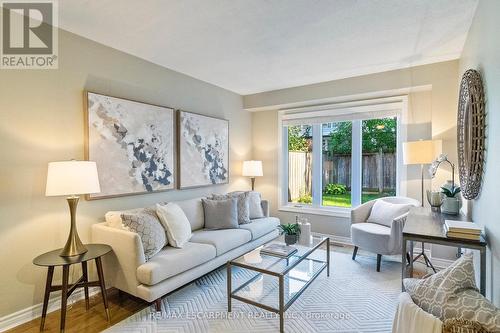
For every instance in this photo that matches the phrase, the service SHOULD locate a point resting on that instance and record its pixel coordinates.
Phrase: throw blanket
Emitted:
(410, 318)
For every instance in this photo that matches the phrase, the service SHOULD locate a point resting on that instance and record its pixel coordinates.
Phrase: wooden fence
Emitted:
(378, 172)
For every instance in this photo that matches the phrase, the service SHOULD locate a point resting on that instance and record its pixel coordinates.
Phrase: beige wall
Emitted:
(41, 113)
(482, 52)
(431, 114)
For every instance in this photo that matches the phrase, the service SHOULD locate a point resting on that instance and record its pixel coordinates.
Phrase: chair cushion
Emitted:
(223, 240)
(260, 227)
(171, 261)
(384, 212)
(371, 236)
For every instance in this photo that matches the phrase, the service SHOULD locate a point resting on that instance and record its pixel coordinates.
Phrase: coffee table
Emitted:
(278, 282)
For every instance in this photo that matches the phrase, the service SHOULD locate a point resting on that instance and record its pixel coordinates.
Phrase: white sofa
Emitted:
(171, 268)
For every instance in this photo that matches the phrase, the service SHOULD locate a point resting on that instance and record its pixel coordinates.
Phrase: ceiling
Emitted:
(250, 46)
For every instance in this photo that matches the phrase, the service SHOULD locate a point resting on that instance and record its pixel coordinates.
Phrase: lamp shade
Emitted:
(72, 178)
(252, 168)
(419, 152)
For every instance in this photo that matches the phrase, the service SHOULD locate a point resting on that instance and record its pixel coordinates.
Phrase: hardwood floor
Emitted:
(93, 320)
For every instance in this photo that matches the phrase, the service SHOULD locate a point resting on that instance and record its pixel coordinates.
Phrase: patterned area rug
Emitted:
(355, 298)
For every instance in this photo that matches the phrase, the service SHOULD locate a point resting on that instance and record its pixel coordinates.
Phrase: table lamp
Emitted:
(72, 178)
(252, 169)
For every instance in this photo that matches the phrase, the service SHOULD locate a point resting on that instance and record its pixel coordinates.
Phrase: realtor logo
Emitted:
(29, 34)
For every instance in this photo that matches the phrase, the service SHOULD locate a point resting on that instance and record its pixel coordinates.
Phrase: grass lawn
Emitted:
(344, 200)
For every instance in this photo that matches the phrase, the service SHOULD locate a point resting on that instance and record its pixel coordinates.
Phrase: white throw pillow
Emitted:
(176, 223)
(384, 212)
(255, 205)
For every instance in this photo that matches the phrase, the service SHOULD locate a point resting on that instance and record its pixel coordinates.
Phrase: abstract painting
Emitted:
(203, 150)
(133, 144)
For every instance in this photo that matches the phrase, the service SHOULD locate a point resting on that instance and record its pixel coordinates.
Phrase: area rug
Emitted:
(355, 298)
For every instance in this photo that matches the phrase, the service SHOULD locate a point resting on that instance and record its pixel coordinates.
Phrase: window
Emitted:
(338, 160)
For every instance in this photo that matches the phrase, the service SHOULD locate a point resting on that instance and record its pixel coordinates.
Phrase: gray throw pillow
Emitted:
(220, 214)
(243, 207)
(255, 205)
(149, 228)
(452, 293)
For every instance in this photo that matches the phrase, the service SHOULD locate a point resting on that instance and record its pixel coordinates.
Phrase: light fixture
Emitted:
(252, 169)
(72, 178)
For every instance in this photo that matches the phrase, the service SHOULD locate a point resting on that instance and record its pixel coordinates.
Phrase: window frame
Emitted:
(346, 109)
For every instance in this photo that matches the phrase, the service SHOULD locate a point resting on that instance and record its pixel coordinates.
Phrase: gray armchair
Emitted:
(382, 239)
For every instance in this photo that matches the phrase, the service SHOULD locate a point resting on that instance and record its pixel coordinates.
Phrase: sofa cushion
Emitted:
(171, 261)
(243, 209)
(193, 209)
(175, 222)
(114, 217)
(255, 205)
(260, 227)
(223, 240)
(220, 214)
(371, 236)
(452, 293)
(384, 212)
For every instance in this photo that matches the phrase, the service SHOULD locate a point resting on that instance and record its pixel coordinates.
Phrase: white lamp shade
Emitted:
(420, 152)
(72, 178)
(252, 168)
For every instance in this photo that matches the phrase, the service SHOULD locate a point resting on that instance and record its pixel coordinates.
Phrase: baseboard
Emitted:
(20, 317)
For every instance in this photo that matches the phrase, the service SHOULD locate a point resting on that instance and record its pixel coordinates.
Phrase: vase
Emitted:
(435, 200)
(451, 206)
(290, 239)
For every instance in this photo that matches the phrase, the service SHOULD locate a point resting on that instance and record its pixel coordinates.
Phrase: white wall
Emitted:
(482, 52)
(431, 114)
(41, 120)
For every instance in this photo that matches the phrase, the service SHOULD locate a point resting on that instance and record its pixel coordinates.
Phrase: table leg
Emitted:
(403, 263)
(86, 287)
(282, 303)
(48, 285)
(228, 287)
(328, 257)
(482, 275)
(64, 296)
(100, 273)
(411, 256)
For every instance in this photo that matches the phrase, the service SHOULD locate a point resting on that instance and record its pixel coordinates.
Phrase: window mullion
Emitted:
(317, 165)
(356, 161)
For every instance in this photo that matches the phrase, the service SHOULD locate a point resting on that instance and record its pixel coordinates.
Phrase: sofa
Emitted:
(127, 269)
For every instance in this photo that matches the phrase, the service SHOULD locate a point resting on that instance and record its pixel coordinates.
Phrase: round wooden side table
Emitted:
(52, 259)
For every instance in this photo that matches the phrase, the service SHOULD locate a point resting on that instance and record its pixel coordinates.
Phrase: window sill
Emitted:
(324, 211)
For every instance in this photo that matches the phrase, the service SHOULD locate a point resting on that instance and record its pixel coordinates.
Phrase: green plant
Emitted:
(450, 193)
(290, 228)
(297, 139)
(335, 189)
(305, 199)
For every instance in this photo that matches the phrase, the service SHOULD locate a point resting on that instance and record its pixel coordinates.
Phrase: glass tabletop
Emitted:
(258, 261)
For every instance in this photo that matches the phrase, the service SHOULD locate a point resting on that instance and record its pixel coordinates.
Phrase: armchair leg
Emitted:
(379, 259)
(354, 253)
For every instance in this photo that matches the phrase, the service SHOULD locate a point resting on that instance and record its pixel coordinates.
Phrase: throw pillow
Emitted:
(176, 223)
(452, 293)
(220, 214)
(243, 208)
(255, 205)
(114, 217)
(150, 230)
(384, 212)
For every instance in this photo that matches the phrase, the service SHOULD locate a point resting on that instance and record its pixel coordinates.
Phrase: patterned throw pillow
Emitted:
(242, 203)
(150, 230)
(452, 293)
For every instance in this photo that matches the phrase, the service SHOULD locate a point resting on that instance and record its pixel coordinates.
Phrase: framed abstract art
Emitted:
(133, 144)
(203, 150)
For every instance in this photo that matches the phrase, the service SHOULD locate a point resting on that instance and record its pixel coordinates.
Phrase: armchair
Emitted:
(384, 238)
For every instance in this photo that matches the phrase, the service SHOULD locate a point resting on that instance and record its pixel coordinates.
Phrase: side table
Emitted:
(52, 259)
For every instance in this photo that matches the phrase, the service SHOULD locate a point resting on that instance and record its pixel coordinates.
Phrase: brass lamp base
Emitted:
(74, 245)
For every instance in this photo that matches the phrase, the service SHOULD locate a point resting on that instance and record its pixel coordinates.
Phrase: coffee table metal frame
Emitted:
(231, 294)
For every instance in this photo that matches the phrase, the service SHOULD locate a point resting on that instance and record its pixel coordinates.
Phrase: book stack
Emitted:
(463, 230)
(278, 250)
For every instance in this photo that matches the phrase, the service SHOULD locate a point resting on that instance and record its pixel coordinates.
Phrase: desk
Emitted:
(424, 225)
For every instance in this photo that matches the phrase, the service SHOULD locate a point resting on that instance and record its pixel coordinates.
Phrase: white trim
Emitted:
(334, 238)
(35, 311)
(437, 262)
(324, 211)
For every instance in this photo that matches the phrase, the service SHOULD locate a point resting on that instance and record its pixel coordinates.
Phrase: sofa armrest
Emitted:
(362, 212)
(265, 207)
(128, 254)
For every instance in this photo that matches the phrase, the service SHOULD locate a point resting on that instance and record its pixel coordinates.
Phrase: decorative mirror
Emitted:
(471, 133)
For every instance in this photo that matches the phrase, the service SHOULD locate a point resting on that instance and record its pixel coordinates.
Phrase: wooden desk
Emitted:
(423, 225)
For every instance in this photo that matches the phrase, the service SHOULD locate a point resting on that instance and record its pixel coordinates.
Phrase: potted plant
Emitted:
(291, 231)
(451, 202)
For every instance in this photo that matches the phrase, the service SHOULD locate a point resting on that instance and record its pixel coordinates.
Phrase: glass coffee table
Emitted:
(278, 282)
